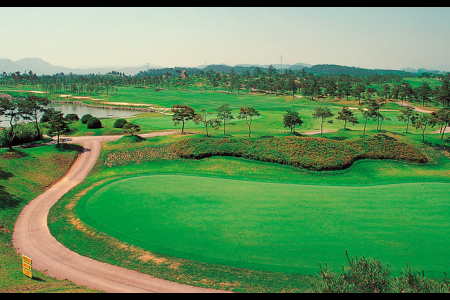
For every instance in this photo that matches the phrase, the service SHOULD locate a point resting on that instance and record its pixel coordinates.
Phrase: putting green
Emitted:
(276, 226)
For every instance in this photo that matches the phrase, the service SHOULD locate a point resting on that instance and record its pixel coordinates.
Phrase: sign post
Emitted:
(26, 266)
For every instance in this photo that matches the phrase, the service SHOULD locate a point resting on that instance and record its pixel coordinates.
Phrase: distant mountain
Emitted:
(442, 69)
(41, 67)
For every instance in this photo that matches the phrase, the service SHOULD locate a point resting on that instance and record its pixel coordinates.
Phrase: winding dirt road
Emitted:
(32, 237)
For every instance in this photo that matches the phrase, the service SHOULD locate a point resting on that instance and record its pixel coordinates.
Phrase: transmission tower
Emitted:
(281, 64)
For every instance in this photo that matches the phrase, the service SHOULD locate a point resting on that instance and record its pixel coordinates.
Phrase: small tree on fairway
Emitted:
(423, 122)
(183, 114)
(130, 128)
(291, 119)
(366, 113)
(347, 115)
(442, 117)
(248, 113)
(58, 125)
(224, 114)
(203, 118)
(408, 115)
(323, 113)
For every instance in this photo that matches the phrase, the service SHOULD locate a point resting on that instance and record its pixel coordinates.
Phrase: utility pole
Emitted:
(281, 64)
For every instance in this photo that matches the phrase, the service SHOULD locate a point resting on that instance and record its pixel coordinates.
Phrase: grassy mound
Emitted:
(307, 152)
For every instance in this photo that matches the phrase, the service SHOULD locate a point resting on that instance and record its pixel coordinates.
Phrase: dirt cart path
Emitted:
(32, 237)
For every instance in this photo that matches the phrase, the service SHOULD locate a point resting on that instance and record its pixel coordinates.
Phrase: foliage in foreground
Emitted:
(370, 276)
(307, 152)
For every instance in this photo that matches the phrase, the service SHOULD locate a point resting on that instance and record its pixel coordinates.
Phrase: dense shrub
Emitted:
(307, 152)
(85, 118)
(71, 117)
(93, 123)
(24, 133)
(119, 123)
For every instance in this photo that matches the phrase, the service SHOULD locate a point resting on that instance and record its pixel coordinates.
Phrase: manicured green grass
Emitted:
(275, 226)
(89, 241)
(24, 174)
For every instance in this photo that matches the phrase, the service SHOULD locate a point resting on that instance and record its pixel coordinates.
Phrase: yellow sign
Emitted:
(26, 259)
(26, 266)
(27, 273)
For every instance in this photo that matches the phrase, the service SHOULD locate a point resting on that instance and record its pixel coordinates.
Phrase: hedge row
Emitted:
(307, 152)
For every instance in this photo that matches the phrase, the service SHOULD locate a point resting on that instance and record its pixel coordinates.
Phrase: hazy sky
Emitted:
(385, 38)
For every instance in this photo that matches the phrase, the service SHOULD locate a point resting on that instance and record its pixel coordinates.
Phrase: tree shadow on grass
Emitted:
(7, 200)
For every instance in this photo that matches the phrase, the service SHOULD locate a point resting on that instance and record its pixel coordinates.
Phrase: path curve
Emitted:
(32, 237)
(415, 108)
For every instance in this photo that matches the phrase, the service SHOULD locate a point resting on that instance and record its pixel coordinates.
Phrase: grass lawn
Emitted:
(275, 226)
(245, 225)
(236, 222)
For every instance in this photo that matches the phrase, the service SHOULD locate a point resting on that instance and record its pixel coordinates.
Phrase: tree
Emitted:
(183, 114)
(408, 115)
(444, 93)
(32, 108)
(203, 118)
(8, 109)
(442, 117)
(374, 107)
(347, 115)
(291, 119)
(248, 113)
(424, 91)
(323, 113)
(131, 128)
(366, 113)
(358, 91)
(423, 122)
(330, 88)
(58, 125)
(347, 89)
(292, 86)
(224, 113)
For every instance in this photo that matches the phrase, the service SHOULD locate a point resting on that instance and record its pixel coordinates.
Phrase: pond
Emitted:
(82, 110)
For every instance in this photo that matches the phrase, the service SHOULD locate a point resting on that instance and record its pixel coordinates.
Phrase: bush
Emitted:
(85, 118)
(370, 276)
(119, 123)
(93, 123)
(71, 117)
(24, 133)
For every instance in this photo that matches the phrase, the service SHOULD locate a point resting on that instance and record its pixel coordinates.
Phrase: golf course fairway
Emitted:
(276, 226)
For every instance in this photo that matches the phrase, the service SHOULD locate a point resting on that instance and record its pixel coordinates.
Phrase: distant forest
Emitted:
(324, 69)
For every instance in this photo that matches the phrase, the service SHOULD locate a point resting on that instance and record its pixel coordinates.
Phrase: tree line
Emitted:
(269, 80)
